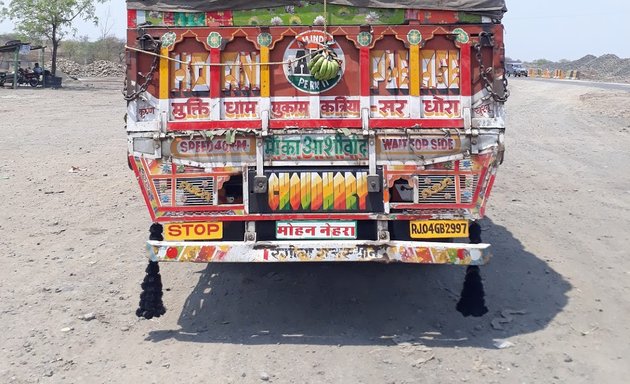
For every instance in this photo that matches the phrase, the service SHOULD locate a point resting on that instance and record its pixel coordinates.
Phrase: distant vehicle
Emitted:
(515, 69)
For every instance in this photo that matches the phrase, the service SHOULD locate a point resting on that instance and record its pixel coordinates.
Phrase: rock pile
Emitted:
(603, 68)
(99, 68)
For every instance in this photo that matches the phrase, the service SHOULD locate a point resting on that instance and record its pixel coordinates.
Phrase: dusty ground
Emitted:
(72, 244)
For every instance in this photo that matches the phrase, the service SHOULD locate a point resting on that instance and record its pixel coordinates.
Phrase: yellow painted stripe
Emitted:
(295, 192)
(284, 191)
(414, 64)
(164, 74)
(329, 191)
(265, 89)
(340, 191)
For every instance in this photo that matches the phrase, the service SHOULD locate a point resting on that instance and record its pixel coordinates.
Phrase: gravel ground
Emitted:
(73, 259)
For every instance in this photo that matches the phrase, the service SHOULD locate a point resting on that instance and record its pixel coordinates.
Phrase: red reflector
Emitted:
(171, 252)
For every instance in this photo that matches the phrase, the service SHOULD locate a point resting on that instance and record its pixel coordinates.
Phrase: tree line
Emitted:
(51, 22)
(81, 50)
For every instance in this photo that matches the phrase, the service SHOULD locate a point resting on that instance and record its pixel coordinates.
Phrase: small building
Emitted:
(11, 53)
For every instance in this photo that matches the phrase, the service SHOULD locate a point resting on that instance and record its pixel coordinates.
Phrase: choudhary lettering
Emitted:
(436, 106)
(193, 108)
(323, 191)
(312, 147)
(290, 109)
(436, 188)
(196, 191)
(241, 109)
(340, 107)
(314, 230)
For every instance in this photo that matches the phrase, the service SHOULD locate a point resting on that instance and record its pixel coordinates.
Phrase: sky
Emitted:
(534, 29)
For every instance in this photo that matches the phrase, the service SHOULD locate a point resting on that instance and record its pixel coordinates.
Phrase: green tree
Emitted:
(541, 62)
(51, 19)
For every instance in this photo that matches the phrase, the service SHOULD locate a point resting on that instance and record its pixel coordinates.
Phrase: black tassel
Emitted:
(474, 233)
(472, 302)
(151, 304)
(155, 232)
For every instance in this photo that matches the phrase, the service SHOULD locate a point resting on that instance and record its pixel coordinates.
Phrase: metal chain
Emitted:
(489, 86)
(155, 47)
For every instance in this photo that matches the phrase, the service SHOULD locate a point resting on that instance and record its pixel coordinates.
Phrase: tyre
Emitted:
(33, 82)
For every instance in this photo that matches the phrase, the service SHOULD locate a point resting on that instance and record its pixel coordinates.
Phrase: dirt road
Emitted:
(73, 244)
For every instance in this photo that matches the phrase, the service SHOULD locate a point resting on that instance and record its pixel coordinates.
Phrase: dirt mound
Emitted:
(99, 68)
(606, 67)
(583, 61)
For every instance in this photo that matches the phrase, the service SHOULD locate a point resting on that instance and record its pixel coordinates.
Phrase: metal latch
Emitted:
(474, 140)
(486, 39)
(499, 87)
(374, 183)
(260, 184)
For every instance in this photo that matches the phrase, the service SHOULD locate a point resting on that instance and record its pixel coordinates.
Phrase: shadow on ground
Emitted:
(366, 304)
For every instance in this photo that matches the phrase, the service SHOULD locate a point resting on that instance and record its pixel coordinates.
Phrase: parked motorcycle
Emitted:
(23, 77)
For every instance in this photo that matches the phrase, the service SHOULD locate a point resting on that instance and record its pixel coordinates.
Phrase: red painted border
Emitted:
(465, 70)
(215, 124)
(132, 161)
(315, 123)
(275, 217)
(431, 206)
(215, 73)
(207, 208)
(482, 210)
(272, 217)
(364, 64)
(416, 123)
(132, 16)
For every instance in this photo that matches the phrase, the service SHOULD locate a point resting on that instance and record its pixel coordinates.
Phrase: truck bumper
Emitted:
(320, 251)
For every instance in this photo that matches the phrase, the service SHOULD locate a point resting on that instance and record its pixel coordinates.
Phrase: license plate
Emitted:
(193, 231)
(316, 230)
(434, 229)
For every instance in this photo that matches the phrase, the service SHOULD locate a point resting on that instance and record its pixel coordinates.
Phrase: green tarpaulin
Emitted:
(492, 8)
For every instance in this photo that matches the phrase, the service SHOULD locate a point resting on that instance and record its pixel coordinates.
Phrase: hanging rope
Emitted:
(325, 15)
(188, 63)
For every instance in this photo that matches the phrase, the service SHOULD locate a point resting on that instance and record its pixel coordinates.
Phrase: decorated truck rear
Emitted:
(314, 131)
